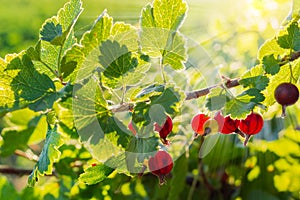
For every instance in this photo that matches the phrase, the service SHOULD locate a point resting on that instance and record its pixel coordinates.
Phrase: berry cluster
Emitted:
(161, 163)
(251, 125)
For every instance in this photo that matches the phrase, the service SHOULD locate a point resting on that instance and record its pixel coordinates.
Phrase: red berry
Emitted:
(94, 164)
(165, 130)
(286, 94)
(251, 125)
(131, 128)
(161, 165)
(198, 123)
(226, 124)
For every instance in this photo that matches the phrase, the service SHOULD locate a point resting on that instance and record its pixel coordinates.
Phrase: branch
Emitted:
(14, 171)
(230, 83)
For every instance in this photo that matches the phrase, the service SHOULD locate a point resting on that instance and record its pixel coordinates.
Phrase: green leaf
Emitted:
(125, 34)
(78, 54)
(290, 40)
(9, 135)
(216, 99)
(259, 82)
(240, 107)
(103, 134)
(59, 31)
(159, 36)
(258, 97)
(34, 52)
(271, 65)
(95, 174)
(50, 152)
(115, 59)
(149, 91)
(162, 15)
(170, 100)
(24, 86)
(50, 31)
(271, 47)
(175, 53)
(138, 150)
(49, 155)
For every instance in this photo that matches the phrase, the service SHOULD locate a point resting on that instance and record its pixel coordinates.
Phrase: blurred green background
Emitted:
(207, 20)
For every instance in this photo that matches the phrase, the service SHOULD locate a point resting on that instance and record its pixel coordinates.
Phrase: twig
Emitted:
(230, 83)
(30, 156)
(14, 171)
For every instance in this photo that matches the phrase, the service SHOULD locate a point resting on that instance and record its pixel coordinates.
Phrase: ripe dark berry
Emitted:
(286, 94)
(198, 122)
(251, 125)
(165, 130)
(226, 124)
(161, 165)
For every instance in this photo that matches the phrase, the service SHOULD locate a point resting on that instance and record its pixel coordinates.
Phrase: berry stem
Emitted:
(283, 115)
(247, 138)
(162, 70)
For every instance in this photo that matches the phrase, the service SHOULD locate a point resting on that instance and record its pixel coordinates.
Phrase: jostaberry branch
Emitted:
(230, 83)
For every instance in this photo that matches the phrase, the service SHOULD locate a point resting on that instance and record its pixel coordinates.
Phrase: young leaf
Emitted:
(290, 40)
(271, 65)
(159, 37)
(95, 174)
(57, 36)
(162, 15)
